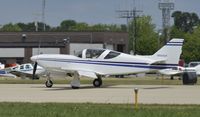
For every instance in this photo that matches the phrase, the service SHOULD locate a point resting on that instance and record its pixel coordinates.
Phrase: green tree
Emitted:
(67, 25)
(191, 47)
(99, 27)
(123, 27)
(146, 37)
(185, 21)
(81, 27)
(176, 33)
(30, 27)
(11, 28)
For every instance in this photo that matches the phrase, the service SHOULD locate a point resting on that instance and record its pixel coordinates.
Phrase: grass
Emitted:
(16, 109)
(150, 80)
(95, 110)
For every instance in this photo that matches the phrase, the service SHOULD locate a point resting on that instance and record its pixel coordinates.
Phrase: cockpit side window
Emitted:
(27, 67)
(90, 53)
(79, 54)
(111, 54)
(22, 67)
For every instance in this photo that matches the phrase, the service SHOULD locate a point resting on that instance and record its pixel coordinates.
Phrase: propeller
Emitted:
(34, 70)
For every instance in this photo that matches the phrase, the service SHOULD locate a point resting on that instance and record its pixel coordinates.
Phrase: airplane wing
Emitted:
(82, 72)
(21, 73)
(157, 60)
(28, 74)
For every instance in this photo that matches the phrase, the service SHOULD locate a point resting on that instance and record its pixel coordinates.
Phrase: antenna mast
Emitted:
(131, 14)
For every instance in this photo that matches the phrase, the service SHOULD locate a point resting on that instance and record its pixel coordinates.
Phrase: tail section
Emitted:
(171, 51)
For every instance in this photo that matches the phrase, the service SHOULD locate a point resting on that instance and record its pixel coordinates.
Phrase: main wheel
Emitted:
(49, 83)
(97, 82)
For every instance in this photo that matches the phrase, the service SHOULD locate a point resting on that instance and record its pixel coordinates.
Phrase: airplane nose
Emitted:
(34, 58)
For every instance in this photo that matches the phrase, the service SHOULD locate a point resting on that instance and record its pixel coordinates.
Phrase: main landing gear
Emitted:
(75, 83)
(97, 82)
(48, 83)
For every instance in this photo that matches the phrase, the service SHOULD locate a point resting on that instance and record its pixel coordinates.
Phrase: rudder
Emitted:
(171, 51)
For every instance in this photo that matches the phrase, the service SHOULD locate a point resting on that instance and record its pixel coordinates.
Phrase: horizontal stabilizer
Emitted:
(197, 69)
(157, 60)
(170, 72)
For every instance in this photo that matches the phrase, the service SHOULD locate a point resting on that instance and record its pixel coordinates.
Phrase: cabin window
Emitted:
(21, 67)
(27, 66)
(111, 55)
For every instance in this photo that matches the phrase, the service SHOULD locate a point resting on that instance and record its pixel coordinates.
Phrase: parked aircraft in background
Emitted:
(4, 73)
(179, 70)
(94, 63)
(26, 70)
(2, 66)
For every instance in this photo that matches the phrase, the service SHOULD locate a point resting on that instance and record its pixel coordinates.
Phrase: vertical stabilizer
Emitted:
(171, 51)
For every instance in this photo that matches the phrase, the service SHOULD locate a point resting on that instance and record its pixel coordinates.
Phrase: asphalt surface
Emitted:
(148, 94)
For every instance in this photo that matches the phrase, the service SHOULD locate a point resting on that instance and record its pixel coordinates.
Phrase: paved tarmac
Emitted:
(148, 94)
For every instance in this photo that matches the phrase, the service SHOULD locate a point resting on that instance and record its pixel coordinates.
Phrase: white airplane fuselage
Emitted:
(97, 62)
(123, 64)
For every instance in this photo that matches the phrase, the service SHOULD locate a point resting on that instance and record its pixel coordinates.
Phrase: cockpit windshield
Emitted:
(93, 53)
(112, 54)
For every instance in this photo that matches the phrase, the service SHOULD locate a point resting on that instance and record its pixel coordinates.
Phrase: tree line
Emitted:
(66, 25)
(148, 41)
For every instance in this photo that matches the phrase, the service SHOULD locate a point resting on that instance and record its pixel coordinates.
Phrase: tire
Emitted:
(74, 87)
(49, 84)
(97, 82)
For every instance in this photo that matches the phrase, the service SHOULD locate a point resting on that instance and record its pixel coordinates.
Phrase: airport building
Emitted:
(18, 47)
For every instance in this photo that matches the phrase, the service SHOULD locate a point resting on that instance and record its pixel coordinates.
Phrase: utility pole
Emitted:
(43, 14)
(166, 6)
(130, 14)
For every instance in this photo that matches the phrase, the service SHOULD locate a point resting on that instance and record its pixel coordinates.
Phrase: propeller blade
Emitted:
(34, 70)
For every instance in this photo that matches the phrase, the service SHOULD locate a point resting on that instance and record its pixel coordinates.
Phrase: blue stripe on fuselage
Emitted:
(174, 44)
(111, 63)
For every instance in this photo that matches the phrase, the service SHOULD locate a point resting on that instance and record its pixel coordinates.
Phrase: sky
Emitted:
(89, 11)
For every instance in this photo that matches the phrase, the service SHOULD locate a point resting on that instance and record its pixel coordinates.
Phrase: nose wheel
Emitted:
(97, 82)
(49, 83)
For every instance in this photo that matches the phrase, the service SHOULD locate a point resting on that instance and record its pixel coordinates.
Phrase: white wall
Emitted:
(46, 51)
(76, 47)
(109, 46)
(11, 52)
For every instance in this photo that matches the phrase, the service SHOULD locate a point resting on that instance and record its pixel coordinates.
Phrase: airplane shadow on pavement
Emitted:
(68, 87)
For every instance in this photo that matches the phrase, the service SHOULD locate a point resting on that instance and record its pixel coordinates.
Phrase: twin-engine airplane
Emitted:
(26, 70)
(95, 63)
